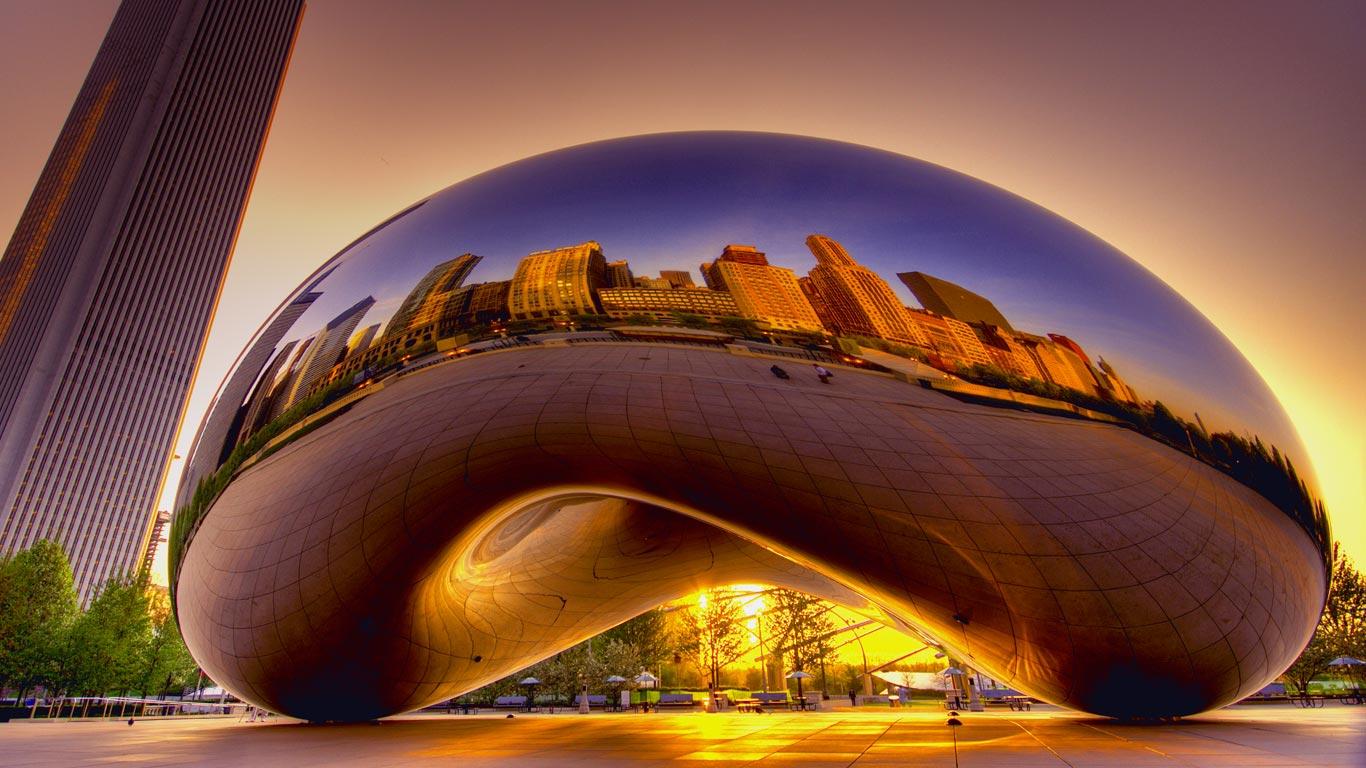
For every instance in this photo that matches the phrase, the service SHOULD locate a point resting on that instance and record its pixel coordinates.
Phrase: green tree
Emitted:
(167, 666)
(107, 647)
(740, 326)
(801, 627)
(37, 608)
(714, 632)
(1341, 629)
(647, 636)
(689, 320)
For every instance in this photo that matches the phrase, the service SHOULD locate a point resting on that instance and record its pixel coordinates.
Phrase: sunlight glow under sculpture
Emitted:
(411, 486)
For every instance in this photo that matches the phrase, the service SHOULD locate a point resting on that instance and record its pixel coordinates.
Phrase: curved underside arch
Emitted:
(477, 516)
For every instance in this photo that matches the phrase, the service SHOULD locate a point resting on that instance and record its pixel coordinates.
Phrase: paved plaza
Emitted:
(1268, 735)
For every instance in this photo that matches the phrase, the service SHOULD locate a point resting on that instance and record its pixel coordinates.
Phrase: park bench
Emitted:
(595, 700)
(773, 699)
(1007, 697)
(1269, 693)
(749, 705)
(509, 702)
(676, 700)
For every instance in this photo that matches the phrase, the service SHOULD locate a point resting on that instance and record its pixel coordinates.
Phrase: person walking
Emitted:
(822, 373)
(853, 698)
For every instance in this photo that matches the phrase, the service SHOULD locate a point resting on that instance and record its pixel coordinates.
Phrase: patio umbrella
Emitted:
(1351, 664)
(615, 681)
(644, 679)
(799, 676)
(530, 683)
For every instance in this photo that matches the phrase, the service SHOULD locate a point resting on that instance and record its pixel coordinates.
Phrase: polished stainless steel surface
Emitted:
(556, 394)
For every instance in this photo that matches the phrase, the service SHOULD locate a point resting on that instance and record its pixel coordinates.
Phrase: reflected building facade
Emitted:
(857, 301)
(953, 300)
(562, 281)
(108, 284)
(766, 294)
(484, 484)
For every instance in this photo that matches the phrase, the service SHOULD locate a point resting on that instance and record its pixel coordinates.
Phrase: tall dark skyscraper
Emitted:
(110, 280)
(953, 300)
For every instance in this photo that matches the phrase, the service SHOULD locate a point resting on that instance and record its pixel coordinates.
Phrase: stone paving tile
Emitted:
(1245, 737)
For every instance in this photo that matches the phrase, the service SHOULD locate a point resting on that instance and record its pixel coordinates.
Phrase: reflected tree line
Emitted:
(125, 642)
(1248, 460)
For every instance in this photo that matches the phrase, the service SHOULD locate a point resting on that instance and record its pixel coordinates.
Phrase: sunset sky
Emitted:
(1218, 146)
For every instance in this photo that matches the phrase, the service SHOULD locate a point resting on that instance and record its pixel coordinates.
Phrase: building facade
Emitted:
(110, 279)
(429, 299)
(562, 281)
(952, 300)
(663, 304)
(619, 275)
(768, 295)
(858, 301)
(678, 278)
(953, 340)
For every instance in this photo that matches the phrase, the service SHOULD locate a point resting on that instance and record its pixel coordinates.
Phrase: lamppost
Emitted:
(763, 658)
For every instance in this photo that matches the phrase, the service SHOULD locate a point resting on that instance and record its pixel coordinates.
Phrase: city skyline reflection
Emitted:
(1022, 429)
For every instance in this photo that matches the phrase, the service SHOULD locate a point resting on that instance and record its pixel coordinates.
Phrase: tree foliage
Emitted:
(1341, 629)
(801, 627)
(108, 643)
(714, 635)
(37, 609)
(126, 642)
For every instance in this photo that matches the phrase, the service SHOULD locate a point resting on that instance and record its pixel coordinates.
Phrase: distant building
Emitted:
(428, 301)
(562, 281)
(360, 343)
(953, 340)
(1117, 387)
(857, 301)
(218, 432)
(953, 300)
(328, 348)
(817, 302)
(258, 409)
(665, 303)
(766, 294)
(619, 275)
(1057, 363)
(158, 537)
(1079, 360)
(657, 283)
(1006, 353)
(678, 278)
(489, 302)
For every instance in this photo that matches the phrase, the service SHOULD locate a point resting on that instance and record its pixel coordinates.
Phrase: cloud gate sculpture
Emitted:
(555, 395)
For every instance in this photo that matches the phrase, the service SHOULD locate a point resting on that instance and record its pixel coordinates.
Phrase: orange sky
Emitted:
(1219, 147)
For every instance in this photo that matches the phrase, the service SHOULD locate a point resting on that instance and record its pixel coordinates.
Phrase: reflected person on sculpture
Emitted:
(544, 400)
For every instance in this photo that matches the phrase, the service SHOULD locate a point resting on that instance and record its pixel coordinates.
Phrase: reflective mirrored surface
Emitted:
(741, 356)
